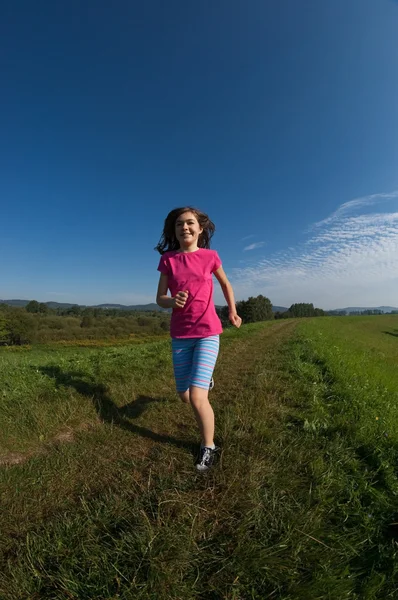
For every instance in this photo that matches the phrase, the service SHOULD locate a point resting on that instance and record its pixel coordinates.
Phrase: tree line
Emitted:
(19, 326)
(75, 310)
(301, 310)
(39, 323)
(259, 308)
(360, 313)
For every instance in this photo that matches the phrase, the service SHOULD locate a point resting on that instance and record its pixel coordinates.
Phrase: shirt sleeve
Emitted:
(163, 266)
(217, 262)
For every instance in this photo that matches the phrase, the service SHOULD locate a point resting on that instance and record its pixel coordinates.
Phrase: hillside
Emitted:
(54, 305)
(154, 307)
(351, 309)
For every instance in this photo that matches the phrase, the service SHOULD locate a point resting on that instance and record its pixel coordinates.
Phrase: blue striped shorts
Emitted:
(194, 360)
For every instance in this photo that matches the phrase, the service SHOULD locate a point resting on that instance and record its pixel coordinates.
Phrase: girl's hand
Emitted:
(180, 299)
(235, 319)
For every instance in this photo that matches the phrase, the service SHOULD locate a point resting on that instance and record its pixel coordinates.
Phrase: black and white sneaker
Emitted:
(211, 386)
(206, 458)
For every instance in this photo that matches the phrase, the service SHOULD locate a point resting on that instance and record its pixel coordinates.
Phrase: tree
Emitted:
(32, 306)
(87, 321)
(223, 312)
(21, 327)
(253, 309)
(144, 321)
(282, 314)
(302, 309)
(4, 329)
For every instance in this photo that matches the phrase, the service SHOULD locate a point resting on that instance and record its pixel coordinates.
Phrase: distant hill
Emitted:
(279, 309)
(58, 304)
(140, 307)
(152, 306)
(55, 305)
(14, 302)
(351, 309)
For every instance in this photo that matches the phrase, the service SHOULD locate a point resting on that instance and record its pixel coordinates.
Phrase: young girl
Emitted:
(186, 269)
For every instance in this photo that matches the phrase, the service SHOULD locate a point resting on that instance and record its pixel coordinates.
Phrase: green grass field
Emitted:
(100, 499)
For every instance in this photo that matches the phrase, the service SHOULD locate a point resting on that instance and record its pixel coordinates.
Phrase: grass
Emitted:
(104, 502)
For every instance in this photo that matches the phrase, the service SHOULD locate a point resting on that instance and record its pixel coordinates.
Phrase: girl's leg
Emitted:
(185, 396)
(204, 360)
(203, 413)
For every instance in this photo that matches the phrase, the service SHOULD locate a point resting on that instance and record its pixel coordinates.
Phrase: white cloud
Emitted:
(350, 206)
(247, 237)
(253, 246)
(349, 259)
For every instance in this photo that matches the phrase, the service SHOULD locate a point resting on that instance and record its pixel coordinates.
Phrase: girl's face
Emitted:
(187, 230)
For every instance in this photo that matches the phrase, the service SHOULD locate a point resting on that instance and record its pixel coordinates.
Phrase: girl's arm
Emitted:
(165, 301)
(229, 296)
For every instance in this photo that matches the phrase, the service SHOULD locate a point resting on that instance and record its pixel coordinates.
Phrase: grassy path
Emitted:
(292, 511)
(133, 473)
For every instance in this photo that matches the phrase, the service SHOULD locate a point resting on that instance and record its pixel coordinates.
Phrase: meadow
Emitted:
(100, 499)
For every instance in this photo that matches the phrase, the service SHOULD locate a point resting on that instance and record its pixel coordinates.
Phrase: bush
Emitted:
(21, 327)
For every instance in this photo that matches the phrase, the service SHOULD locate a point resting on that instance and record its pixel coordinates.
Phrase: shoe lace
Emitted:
(206, 454)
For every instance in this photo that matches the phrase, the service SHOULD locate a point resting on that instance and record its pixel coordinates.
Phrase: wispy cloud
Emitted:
(247, 237)
(355, 204)
(253, 246)
(349, 258)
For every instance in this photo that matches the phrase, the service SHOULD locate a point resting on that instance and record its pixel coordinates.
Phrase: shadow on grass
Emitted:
(108, 411)
(392, 333)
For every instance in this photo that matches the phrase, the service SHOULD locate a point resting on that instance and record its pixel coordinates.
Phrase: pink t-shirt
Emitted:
(192, 271)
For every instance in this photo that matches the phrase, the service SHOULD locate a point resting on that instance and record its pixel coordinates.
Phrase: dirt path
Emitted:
(238, 362)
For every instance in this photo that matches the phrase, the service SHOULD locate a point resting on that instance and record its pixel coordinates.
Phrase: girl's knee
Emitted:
(184, 396)
(198, 395)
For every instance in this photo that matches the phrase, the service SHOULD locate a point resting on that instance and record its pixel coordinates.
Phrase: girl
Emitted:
(186, 269)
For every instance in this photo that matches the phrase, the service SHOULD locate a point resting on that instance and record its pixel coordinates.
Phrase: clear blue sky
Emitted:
(279, 119)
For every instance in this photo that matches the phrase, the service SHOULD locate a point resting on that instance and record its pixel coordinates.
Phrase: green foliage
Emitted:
(19, 327)
(32, 306)
(87, 321)
(369, 311)
(255, 309)
(74, 310)
(43, 308)
(222, 312)
(4, 329)
(42, 325)
(144, 321)
(300, 310)
(37, 307)
(252, 310)
(164, 325)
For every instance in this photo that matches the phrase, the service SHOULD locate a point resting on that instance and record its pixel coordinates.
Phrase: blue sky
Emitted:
(278, 119)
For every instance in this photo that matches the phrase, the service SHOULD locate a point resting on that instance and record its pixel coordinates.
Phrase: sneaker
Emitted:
(211, 386)
(206, 458)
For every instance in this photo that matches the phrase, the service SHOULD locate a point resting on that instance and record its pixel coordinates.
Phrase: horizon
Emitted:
(106, 305)
(280, 122)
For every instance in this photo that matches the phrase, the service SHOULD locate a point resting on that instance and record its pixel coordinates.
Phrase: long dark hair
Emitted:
(168, 240)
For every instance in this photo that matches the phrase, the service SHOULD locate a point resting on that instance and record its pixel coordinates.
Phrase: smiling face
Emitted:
(187, 231)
